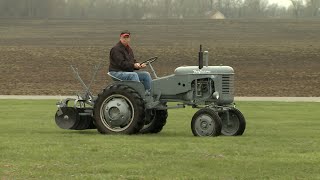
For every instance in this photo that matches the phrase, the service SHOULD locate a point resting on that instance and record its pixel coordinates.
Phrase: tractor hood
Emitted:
(205, 70)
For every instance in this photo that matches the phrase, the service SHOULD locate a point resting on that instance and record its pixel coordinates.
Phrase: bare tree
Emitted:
(167, 5)
(313, 7)
(254, 8)
(297, 7)
(150, 8)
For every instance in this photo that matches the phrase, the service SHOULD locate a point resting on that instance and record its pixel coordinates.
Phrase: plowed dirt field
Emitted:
(270, 57)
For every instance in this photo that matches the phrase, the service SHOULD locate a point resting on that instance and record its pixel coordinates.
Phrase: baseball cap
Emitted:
(125, 33)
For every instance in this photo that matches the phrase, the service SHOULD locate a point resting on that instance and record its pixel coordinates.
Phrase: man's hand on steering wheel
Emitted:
(149, 61)
(143, 65)
(137, 65)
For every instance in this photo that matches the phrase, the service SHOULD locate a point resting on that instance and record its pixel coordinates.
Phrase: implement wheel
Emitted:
(119, 109)
(206, 122)
(67, 118)
(236, 124)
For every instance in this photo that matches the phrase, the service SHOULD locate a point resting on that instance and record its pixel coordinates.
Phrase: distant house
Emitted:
(215, 15)
(149, 16)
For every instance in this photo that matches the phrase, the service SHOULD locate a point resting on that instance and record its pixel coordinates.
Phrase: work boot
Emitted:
(147, 93)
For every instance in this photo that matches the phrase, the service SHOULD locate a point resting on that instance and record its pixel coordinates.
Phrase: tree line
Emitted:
(144, 9)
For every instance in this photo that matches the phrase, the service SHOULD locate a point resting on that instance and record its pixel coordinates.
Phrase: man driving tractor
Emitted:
(124, 66)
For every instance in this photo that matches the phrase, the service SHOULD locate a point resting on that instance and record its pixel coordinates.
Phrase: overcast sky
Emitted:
(285, 3)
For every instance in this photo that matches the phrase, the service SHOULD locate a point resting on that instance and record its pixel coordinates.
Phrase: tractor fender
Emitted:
(137, 86)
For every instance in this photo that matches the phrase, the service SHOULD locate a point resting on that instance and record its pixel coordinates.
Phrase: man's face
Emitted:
(125, 40)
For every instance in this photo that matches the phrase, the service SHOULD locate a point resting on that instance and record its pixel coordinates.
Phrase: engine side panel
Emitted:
(171, 85)
(181, 85)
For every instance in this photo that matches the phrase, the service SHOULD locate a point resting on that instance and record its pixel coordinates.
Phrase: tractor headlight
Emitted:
(216, 95)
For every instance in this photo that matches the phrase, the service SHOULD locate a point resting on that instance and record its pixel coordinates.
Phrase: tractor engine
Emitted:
(202, 87)
(191, 85)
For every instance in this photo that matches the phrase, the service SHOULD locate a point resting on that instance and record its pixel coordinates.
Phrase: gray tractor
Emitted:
(124, 107)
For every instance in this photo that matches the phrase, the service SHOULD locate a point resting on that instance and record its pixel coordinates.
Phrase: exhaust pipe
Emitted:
(200, 58)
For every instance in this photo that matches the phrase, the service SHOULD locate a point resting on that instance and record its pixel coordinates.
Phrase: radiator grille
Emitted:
(227, 84)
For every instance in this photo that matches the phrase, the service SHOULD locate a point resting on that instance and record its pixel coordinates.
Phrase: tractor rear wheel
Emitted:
(236, 124)
(155, 121)
(119, 109)
(206, 122)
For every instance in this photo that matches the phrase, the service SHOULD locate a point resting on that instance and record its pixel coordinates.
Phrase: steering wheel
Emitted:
(150, 60)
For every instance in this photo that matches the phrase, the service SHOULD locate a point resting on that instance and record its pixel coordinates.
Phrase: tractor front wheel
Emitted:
(236, 124)
(119, 109)
(206, 122)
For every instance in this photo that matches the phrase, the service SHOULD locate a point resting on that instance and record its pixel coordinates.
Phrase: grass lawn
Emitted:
(282, 141)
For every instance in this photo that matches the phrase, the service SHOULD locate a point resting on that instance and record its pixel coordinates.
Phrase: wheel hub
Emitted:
(204, 125)
(66, 117)
(117, 112)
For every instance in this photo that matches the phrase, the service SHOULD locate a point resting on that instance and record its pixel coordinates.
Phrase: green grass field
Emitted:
(281, 142)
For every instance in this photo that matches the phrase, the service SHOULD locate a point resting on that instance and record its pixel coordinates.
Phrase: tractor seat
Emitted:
(114, 78)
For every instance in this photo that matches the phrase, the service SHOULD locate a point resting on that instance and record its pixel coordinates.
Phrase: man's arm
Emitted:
(137, 65)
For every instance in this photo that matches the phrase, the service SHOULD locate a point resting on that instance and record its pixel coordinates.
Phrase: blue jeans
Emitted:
(140, 76)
